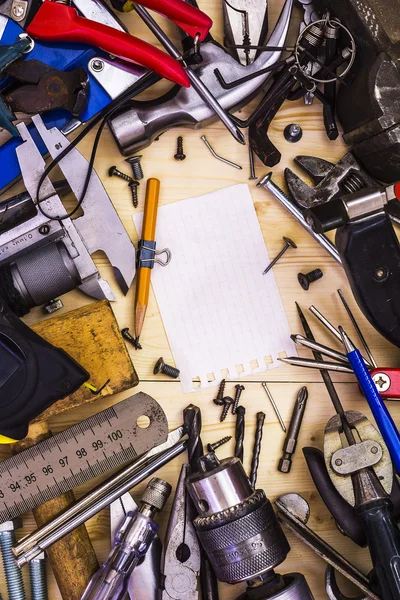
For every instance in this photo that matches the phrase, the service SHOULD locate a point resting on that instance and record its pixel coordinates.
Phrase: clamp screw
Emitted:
(238, 393)
(161, 367)
(37, 575)
(306, 278)
(114, 172)
(221, 442)
(219, 400)
(134, 161)
(179, 149)
(228, 401)
(338, 462)
(134, 189)
(288, 244)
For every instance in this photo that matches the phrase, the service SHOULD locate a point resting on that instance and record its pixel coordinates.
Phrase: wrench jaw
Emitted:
(331, 180)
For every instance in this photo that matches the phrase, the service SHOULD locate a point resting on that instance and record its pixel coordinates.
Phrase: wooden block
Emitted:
(92, 337)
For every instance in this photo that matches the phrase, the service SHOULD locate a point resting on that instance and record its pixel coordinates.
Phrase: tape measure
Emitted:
(88, 449)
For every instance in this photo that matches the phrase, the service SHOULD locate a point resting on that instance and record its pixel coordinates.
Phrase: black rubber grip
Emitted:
(383, 537)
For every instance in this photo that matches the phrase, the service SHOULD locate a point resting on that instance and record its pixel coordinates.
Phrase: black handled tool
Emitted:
(33, 375)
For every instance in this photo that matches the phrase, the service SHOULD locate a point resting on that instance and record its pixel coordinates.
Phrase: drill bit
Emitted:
(256, 449)
(192, 423)
(239, 432)
(328, 381)
(289, 445)
(274, 406)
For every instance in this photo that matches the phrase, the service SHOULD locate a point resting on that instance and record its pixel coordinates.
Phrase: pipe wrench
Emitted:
(49, 254)
(144, 583)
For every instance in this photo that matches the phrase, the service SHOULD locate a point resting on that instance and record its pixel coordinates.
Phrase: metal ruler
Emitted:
(88, 449)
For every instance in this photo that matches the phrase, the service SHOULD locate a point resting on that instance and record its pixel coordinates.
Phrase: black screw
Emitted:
(44, 229)
(221, 442)
(161, 367)
(293, 133)
(238, 393)
(306, 278)
(134, 189)
(228, 401)
(137, 170)
(219, 400)
(127, 336)
(114, 172)
(179, 149)
(288, 244)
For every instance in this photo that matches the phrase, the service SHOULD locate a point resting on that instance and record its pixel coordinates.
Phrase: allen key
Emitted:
(274, 406)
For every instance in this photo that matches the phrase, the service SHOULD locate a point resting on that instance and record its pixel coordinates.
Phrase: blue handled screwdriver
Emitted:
(383, 419)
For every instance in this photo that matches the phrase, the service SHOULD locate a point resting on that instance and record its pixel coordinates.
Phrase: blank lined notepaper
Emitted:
(223, 318)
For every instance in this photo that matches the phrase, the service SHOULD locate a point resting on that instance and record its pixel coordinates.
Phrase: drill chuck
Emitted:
(236, 526)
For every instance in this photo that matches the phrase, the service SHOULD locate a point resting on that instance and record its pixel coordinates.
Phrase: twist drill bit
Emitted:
(289, 445)
(256, 449)
(192, 423)
(239, 432)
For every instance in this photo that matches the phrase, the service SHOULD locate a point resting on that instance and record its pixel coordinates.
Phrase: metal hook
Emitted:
(166, 251)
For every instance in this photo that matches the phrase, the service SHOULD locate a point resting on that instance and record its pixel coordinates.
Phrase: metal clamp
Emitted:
(147, 254)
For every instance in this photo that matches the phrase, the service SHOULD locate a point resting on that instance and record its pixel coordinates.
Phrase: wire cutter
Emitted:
(181, 559)
(144, 582)
(56, 22)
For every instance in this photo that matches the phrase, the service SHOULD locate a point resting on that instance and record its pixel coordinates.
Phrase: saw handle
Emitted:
(56, 22)
(383, 537)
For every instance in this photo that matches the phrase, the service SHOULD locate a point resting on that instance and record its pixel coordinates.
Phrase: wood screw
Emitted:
(114, 172)
(228, 401)
(238, 393)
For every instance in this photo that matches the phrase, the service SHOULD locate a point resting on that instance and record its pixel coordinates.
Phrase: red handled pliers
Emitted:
(56, 22)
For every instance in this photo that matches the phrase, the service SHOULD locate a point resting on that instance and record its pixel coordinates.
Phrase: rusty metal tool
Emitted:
(41, 88)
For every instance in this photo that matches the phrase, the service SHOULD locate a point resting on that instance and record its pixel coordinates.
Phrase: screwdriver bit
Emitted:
(289, 445)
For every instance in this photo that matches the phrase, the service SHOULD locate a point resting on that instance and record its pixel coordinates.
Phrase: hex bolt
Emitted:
(228, 401)
(293, 133)
(161, 367)
(219, 400)
(238, 393)
(179, 149)
(38, 579)
(15, 585)
(306, 278)
(134, 189)
(288, 244)
(221, 442)
(114, 172)
(137, 170)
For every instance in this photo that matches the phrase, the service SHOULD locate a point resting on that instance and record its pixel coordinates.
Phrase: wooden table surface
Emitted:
(198, 174)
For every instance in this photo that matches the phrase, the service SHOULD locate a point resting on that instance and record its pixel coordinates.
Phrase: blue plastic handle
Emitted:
(65, 57)
(383, 419)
